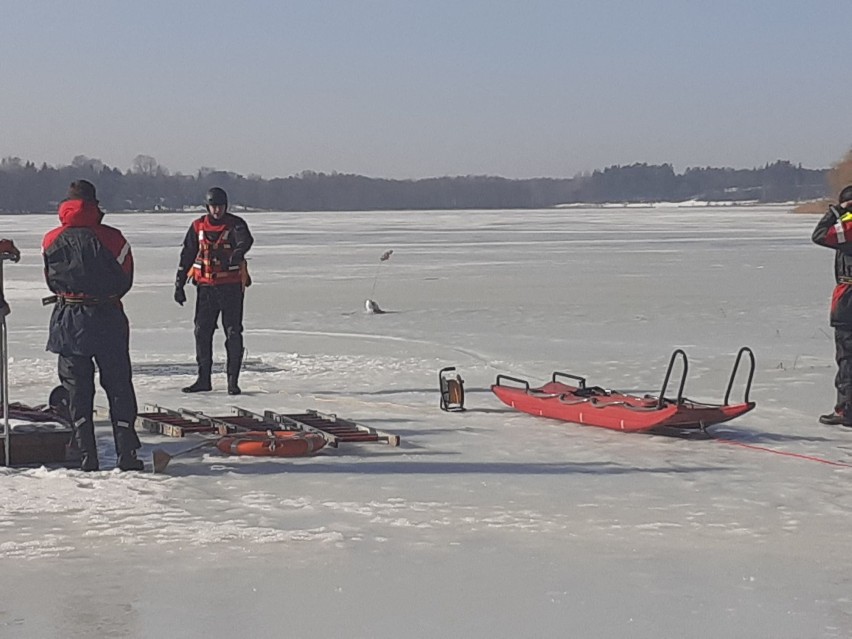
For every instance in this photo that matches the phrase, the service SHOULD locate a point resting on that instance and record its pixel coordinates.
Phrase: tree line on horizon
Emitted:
(148, 186)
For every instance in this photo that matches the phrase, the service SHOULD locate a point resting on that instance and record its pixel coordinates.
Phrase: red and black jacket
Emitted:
(213, 252)
(89, 266)
(834, 230)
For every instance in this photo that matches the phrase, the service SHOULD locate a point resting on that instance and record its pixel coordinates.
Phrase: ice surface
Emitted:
(487, 523)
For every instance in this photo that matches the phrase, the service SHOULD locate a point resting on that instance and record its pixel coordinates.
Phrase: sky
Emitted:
(406, 89)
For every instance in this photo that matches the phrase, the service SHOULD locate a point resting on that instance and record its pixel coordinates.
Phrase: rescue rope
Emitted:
(782, 452)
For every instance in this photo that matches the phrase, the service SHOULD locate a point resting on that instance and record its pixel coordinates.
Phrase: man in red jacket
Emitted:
(834, 231)
(89, 268)
(213, 257)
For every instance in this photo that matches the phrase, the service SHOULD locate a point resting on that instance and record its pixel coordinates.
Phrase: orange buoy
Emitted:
(271, 443)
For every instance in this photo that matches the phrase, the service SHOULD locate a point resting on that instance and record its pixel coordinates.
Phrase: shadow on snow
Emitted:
(410, 467)
(160, 369)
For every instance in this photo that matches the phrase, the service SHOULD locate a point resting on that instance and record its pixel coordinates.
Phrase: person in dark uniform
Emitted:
(10, 252)
(89, 268)
(834, 231)
(213, 257)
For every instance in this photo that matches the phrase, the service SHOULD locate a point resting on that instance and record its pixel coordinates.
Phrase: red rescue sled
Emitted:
(596, 406)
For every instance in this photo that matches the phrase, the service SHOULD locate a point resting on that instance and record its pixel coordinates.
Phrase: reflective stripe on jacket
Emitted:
(834, 231)
(89, 267)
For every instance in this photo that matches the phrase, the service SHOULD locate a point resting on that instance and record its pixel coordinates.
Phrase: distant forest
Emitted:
(148, 186)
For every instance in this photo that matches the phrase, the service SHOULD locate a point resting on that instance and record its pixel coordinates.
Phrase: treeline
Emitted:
(148, 186)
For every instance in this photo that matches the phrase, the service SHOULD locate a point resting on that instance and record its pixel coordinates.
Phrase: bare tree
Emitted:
(82, 162)
(10, 163)
(146, 165)
(840, 174)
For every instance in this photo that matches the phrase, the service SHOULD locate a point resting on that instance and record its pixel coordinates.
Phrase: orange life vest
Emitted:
(212, 264)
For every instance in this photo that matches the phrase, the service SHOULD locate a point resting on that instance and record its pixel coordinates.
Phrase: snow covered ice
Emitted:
(487, 523)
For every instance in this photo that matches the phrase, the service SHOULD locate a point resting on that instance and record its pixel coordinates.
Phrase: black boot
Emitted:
(831, 419)
(86, 445)
(128, 461)
(200, 385)
(126, 444)
(233, 387)
(234, 346)
(89, 462)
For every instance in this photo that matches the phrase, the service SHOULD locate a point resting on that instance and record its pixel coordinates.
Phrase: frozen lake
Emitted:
(487, 523)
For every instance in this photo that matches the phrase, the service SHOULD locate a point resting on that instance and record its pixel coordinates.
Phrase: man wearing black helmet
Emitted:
(834, 230)
(213, 257)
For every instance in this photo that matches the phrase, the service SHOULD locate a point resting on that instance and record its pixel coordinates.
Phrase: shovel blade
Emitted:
(160, 459)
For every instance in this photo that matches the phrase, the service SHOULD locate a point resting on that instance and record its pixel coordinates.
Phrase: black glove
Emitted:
(180, 295)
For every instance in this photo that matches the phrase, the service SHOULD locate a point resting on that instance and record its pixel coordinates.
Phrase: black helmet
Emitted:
(845, 195)
(216, 196)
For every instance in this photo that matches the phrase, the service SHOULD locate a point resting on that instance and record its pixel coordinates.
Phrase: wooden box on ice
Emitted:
(36, 448)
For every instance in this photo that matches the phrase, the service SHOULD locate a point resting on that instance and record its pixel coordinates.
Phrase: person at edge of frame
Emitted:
(89, 268)
(213, 257)
(11, 252)
(834, 231)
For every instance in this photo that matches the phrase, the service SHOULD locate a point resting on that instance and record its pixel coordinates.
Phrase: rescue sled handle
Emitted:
(746, 350)
(662, 400)
(678, 353)
(517, 380)
(556, 374)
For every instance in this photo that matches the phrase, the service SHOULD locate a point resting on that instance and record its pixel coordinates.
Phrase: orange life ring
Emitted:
(271, 443)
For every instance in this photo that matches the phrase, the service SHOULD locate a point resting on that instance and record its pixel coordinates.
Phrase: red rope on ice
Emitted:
(784, 453)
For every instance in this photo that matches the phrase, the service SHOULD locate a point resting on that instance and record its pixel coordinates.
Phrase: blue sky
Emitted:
(417, 89)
